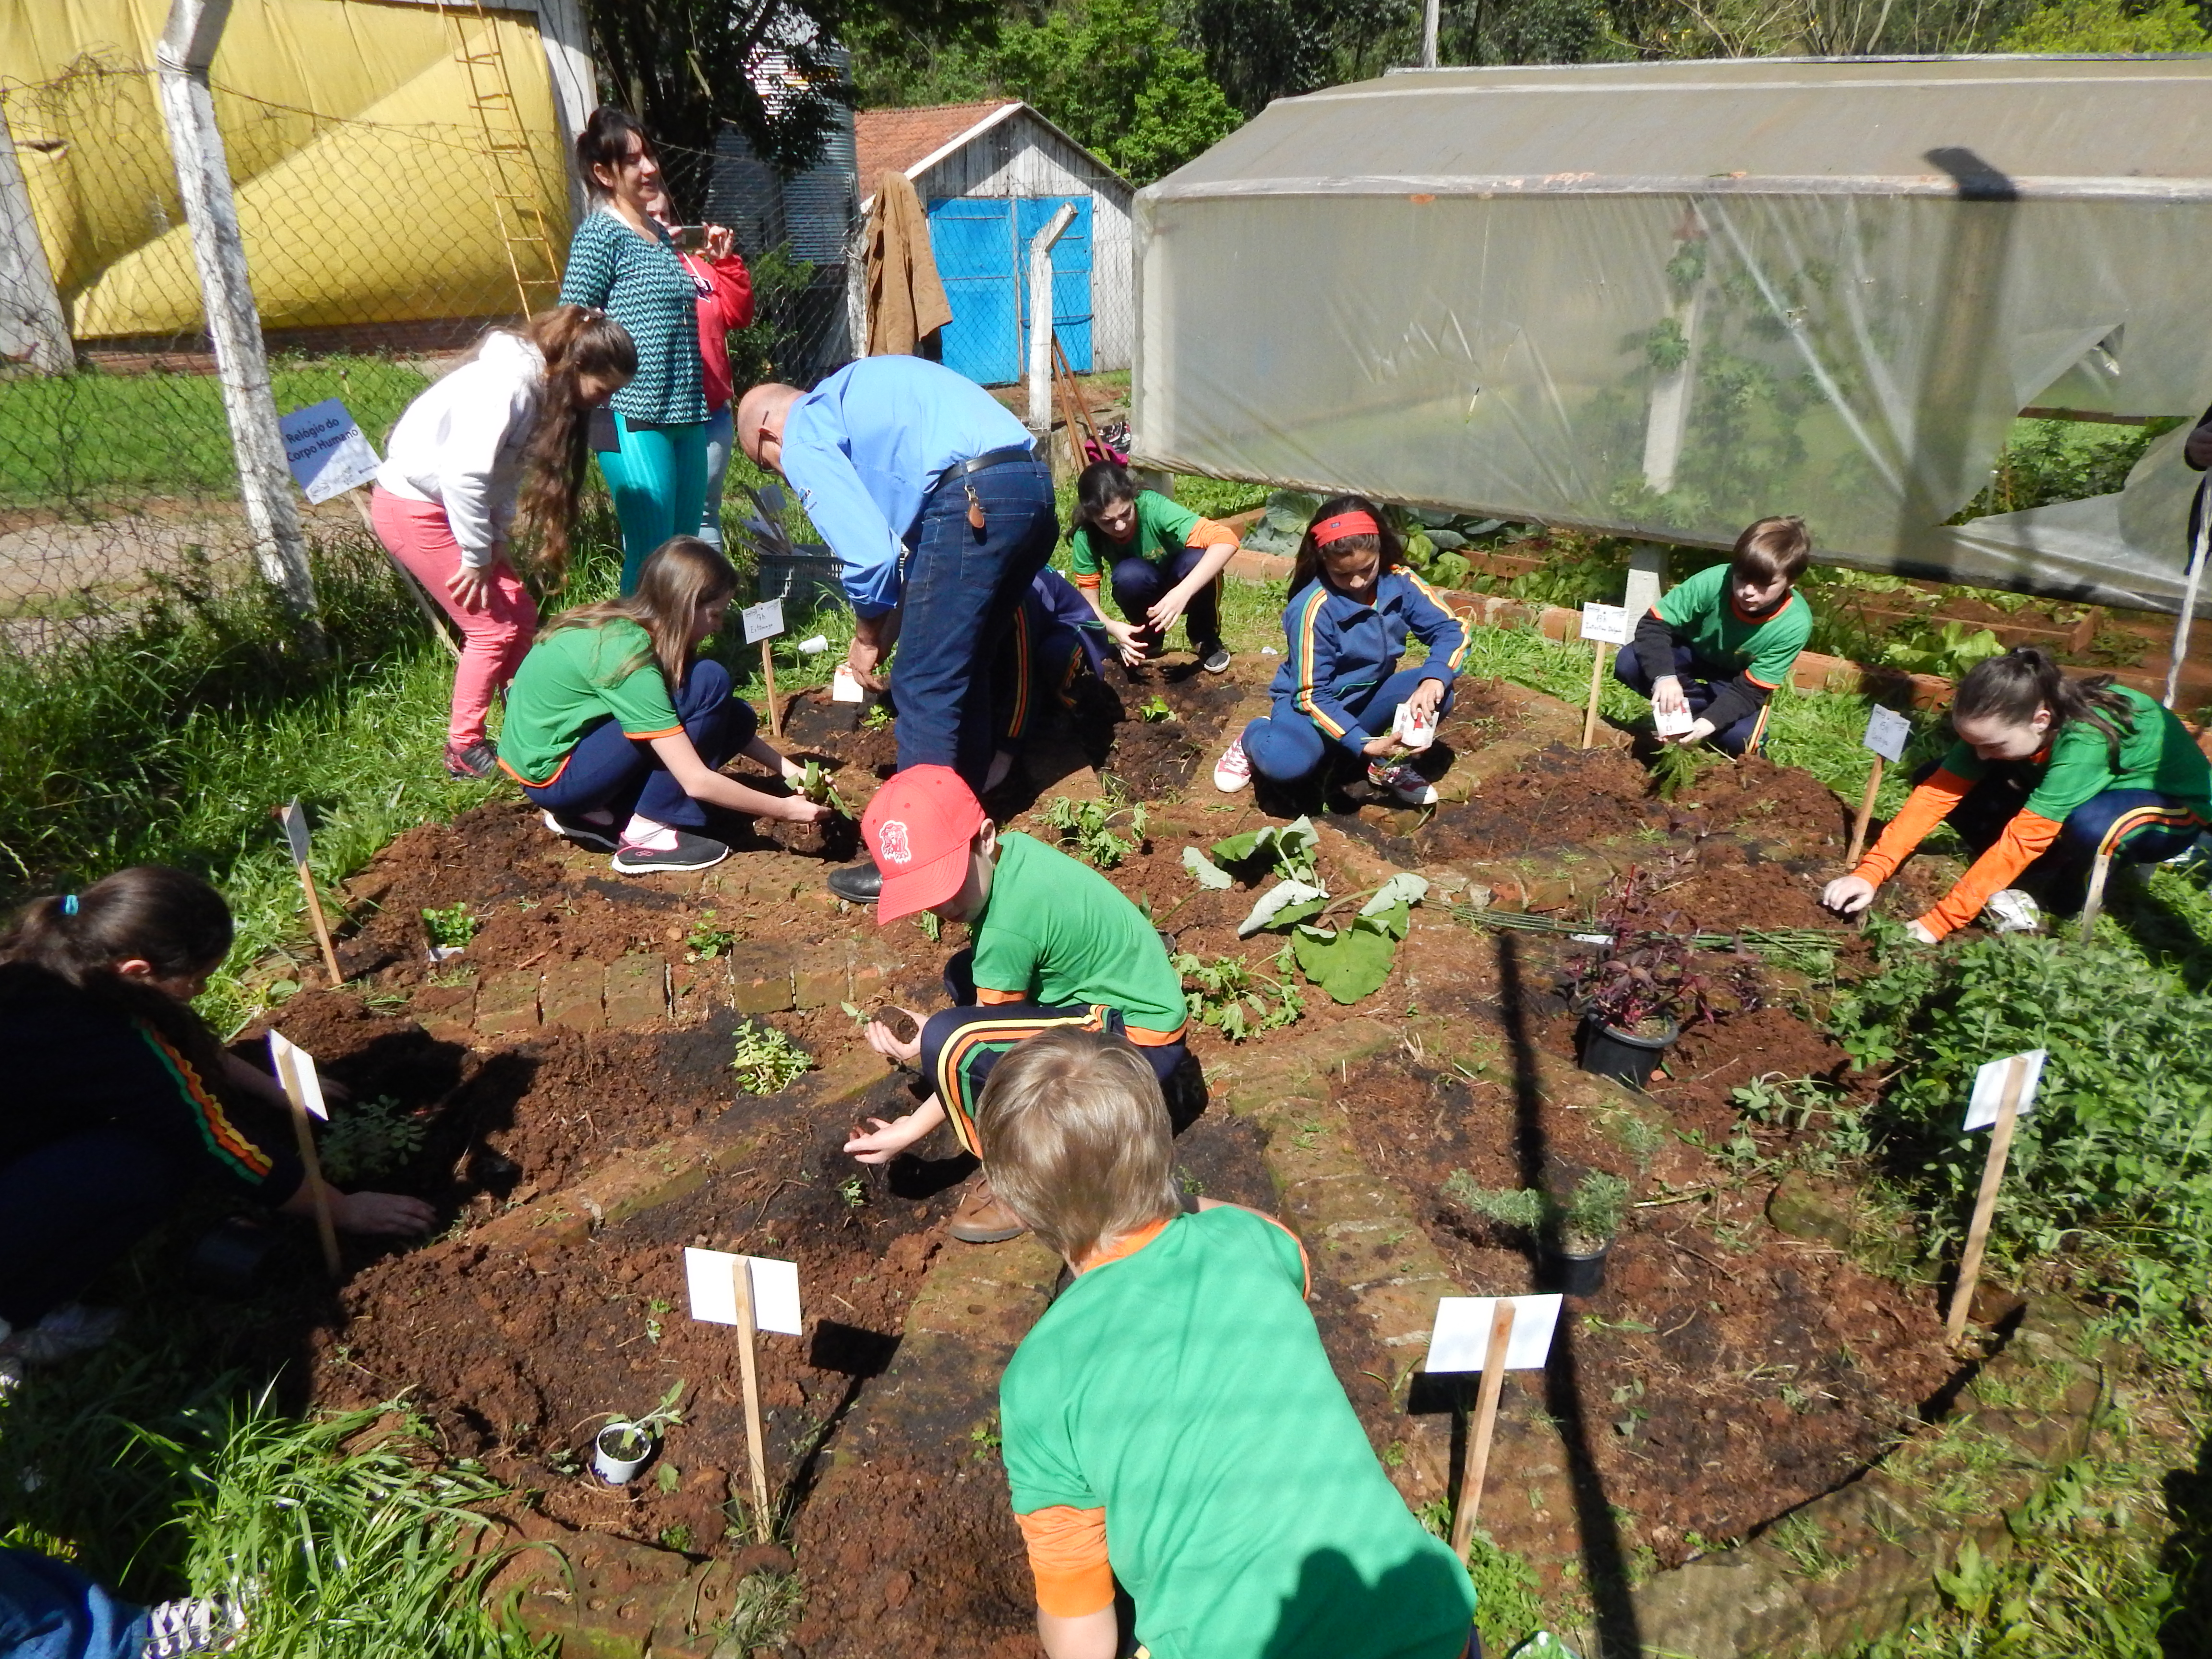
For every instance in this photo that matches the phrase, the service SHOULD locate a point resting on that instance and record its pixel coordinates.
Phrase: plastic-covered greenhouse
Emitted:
(1664, 299)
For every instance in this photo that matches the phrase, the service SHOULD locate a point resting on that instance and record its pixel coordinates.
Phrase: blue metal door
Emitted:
(972, 239)
(1070, 273)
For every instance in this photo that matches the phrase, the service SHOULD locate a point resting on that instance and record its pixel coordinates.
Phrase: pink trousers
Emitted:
(492, 640)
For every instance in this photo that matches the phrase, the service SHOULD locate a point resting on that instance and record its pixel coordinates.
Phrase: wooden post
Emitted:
(1597, 679)
(767, 673)
(1866, 815)
(302, 1130)
(749, 1367)
(1977, 1232)
(1476, 1468)
(265, 479)
(2093, 907)
(414, 589)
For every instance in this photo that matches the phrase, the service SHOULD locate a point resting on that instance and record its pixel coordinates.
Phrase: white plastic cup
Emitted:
(615, 1457)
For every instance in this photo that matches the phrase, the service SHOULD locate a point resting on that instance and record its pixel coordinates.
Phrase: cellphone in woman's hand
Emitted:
(690, 237)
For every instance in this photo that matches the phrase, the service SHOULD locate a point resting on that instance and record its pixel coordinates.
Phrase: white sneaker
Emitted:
(197, 1623)
(2013, 911)
(1404, 782)
(1234, 769)
(69, 1330)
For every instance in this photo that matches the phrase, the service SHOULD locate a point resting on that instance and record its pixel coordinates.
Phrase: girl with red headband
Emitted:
(1352, 605)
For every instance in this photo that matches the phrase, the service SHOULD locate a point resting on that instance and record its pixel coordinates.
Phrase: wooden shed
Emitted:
(991, 175)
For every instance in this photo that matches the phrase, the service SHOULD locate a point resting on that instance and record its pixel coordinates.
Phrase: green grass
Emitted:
(103, 438)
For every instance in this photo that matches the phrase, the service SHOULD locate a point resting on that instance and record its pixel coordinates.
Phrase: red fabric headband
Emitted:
(1342, 526)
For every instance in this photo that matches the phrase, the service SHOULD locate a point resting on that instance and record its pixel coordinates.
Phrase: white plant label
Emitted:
(708, 1274)
(1605, 624)
(326, 450)
(1461, 1340)
(1888, 732)
(295, 829)
(1411, 729)
(1671, 725)
(1990, 1084)
(764, 621)
(296, 1070)
(845, 686)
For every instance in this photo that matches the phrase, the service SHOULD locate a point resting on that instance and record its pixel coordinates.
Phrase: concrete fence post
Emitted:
(34, 328)
(265, 480)
(1040, 421)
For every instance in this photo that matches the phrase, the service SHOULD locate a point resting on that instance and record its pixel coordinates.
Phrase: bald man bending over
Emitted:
(940, 512)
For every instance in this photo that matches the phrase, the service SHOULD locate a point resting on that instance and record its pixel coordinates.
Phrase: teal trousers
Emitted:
(659, 482)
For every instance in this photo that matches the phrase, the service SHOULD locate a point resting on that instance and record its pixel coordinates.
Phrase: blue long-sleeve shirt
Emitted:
(864, 449)
(1340, 647)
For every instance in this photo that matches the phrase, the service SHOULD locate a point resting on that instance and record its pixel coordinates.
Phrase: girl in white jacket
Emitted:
(509, 424)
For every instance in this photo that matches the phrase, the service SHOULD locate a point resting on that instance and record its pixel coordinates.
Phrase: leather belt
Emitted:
(988, 459)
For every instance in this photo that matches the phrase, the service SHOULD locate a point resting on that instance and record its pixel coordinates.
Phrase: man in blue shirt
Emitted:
(929, 493)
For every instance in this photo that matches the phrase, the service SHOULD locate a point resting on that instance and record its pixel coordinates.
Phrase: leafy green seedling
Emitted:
(853, 1191)
(814, 784)
(1155, 708)
(705, 941)
(453, 926)
(876, 719)
(369, 1138)
(1234, 997)
(767, 1062)
(1088, 825)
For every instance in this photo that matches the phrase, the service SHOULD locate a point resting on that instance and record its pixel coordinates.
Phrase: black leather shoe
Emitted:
(858, 883)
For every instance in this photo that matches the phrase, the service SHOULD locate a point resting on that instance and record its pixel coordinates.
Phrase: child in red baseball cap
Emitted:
(1055, 944)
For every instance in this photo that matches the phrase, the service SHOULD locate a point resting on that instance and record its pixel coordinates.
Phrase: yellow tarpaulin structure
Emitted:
(362, 153)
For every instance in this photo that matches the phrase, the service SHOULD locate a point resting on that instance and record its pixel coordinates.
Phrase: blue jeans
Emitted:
(49, 1610)
(69, 1209)
(1742, 737)
(720, 429)
(658, 479)
(1286, 745)
(963, 586)
(607, 769)
(1139, 585)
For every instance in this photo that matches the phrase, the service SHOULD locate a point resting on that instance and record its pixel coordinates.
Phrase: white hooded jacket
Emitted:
(461, 443)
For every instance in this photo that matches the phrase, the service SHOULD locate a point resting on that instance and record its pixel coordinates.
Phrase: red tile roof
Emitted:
(898, 138)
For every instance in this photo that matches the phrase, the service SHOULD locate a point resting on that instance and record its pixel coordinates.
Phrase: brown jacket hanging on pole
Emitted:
(905, 301)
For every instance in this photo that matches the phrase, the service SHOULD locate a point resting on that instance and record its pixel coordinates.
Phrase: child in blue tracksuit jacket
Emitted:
(1352, 607)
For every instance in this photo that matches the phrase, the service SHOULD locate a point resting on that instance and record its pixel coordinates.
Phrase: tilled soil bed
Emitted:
(581, 1124)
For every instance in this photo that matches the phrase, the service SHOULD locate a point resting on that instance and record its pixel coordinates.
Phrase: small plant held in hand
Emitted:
(1088, 826)
(768, 1061)
(705, 941)
(1154, 709)
(368, 1138)
(452, 927)
(814, 784)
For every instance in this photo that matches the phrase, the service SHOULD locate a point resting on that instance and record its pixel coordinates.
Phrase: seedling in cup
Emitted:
(624, 1446)
(755, 1293)
(2004, 1089)
(1493, 1336)
(814, 784)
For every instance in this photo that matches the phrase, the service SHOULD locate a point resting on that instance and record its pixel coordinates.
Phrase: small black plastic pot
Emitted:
(1622, 1055)
(1578, 1274)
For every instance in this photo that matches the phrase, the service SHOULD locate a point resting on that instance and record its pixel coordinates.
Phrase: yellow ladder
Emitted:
(510, 165)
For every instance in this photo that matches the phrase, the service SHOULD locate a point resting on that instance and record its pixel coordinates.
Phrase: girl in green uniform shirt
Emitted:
(2047, 772)
(1166, 562)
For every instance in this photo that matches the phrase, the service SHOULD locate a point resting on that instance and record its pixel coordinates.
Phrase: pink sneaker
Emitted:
(1234, 769)
(1403, 782)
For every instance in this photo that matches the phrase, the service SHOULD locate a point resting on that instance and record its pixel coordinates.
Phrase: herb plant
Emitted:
(1235, 998)
(1649, 974)
(1154, 709)
(705, 942)
(767, 1062)
(453, 926)
(1584, 1222)
(369, 1138)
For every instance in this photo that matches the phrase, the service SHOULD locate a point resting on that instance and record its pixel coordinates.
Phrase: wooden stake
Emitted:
(749, 1367)
(1597, 679)
(2093, 907)
(1977, 1233)
(302, 1129)
(295, 837)
(1476, 1466)
(1866, 813)
(767, 673)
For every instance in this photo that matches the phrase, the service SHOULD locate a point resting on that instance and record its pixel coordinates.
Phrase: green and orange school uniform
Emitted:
(2048, 817)
(1172, 1422)
(1057, 945)
(1165, 547)
(1729, 662)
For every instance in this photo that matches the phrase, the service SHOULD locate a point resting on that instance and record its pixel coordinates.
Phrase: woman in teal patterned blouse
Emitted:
(620, 262)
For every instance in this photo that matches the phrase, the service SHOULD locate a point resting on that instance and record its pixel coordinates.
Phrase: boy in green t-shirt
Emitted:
(1172, 1422)
(1056, 945)
(1711, 653)
(1166, 562)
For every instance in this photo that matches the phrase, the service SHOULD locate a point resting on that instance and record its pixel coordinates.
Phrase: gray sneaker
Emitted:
(196, 1624)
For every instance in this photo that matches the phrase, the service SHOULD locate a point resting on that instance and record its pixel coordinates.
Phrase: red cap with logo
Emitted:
(918, 830)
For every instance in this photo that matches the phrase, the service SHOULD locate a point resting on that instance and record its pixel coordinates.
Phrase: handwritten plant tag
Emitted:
(1887, 732)
(1605, 624)
(296, 1070)
(709, 1276)
(1462, 1338)
(1990, 1084)
(764, 621)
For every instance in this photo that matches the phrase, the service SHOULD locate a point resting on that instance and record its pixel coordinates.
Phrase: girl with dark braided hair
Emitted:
(2047, 772)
